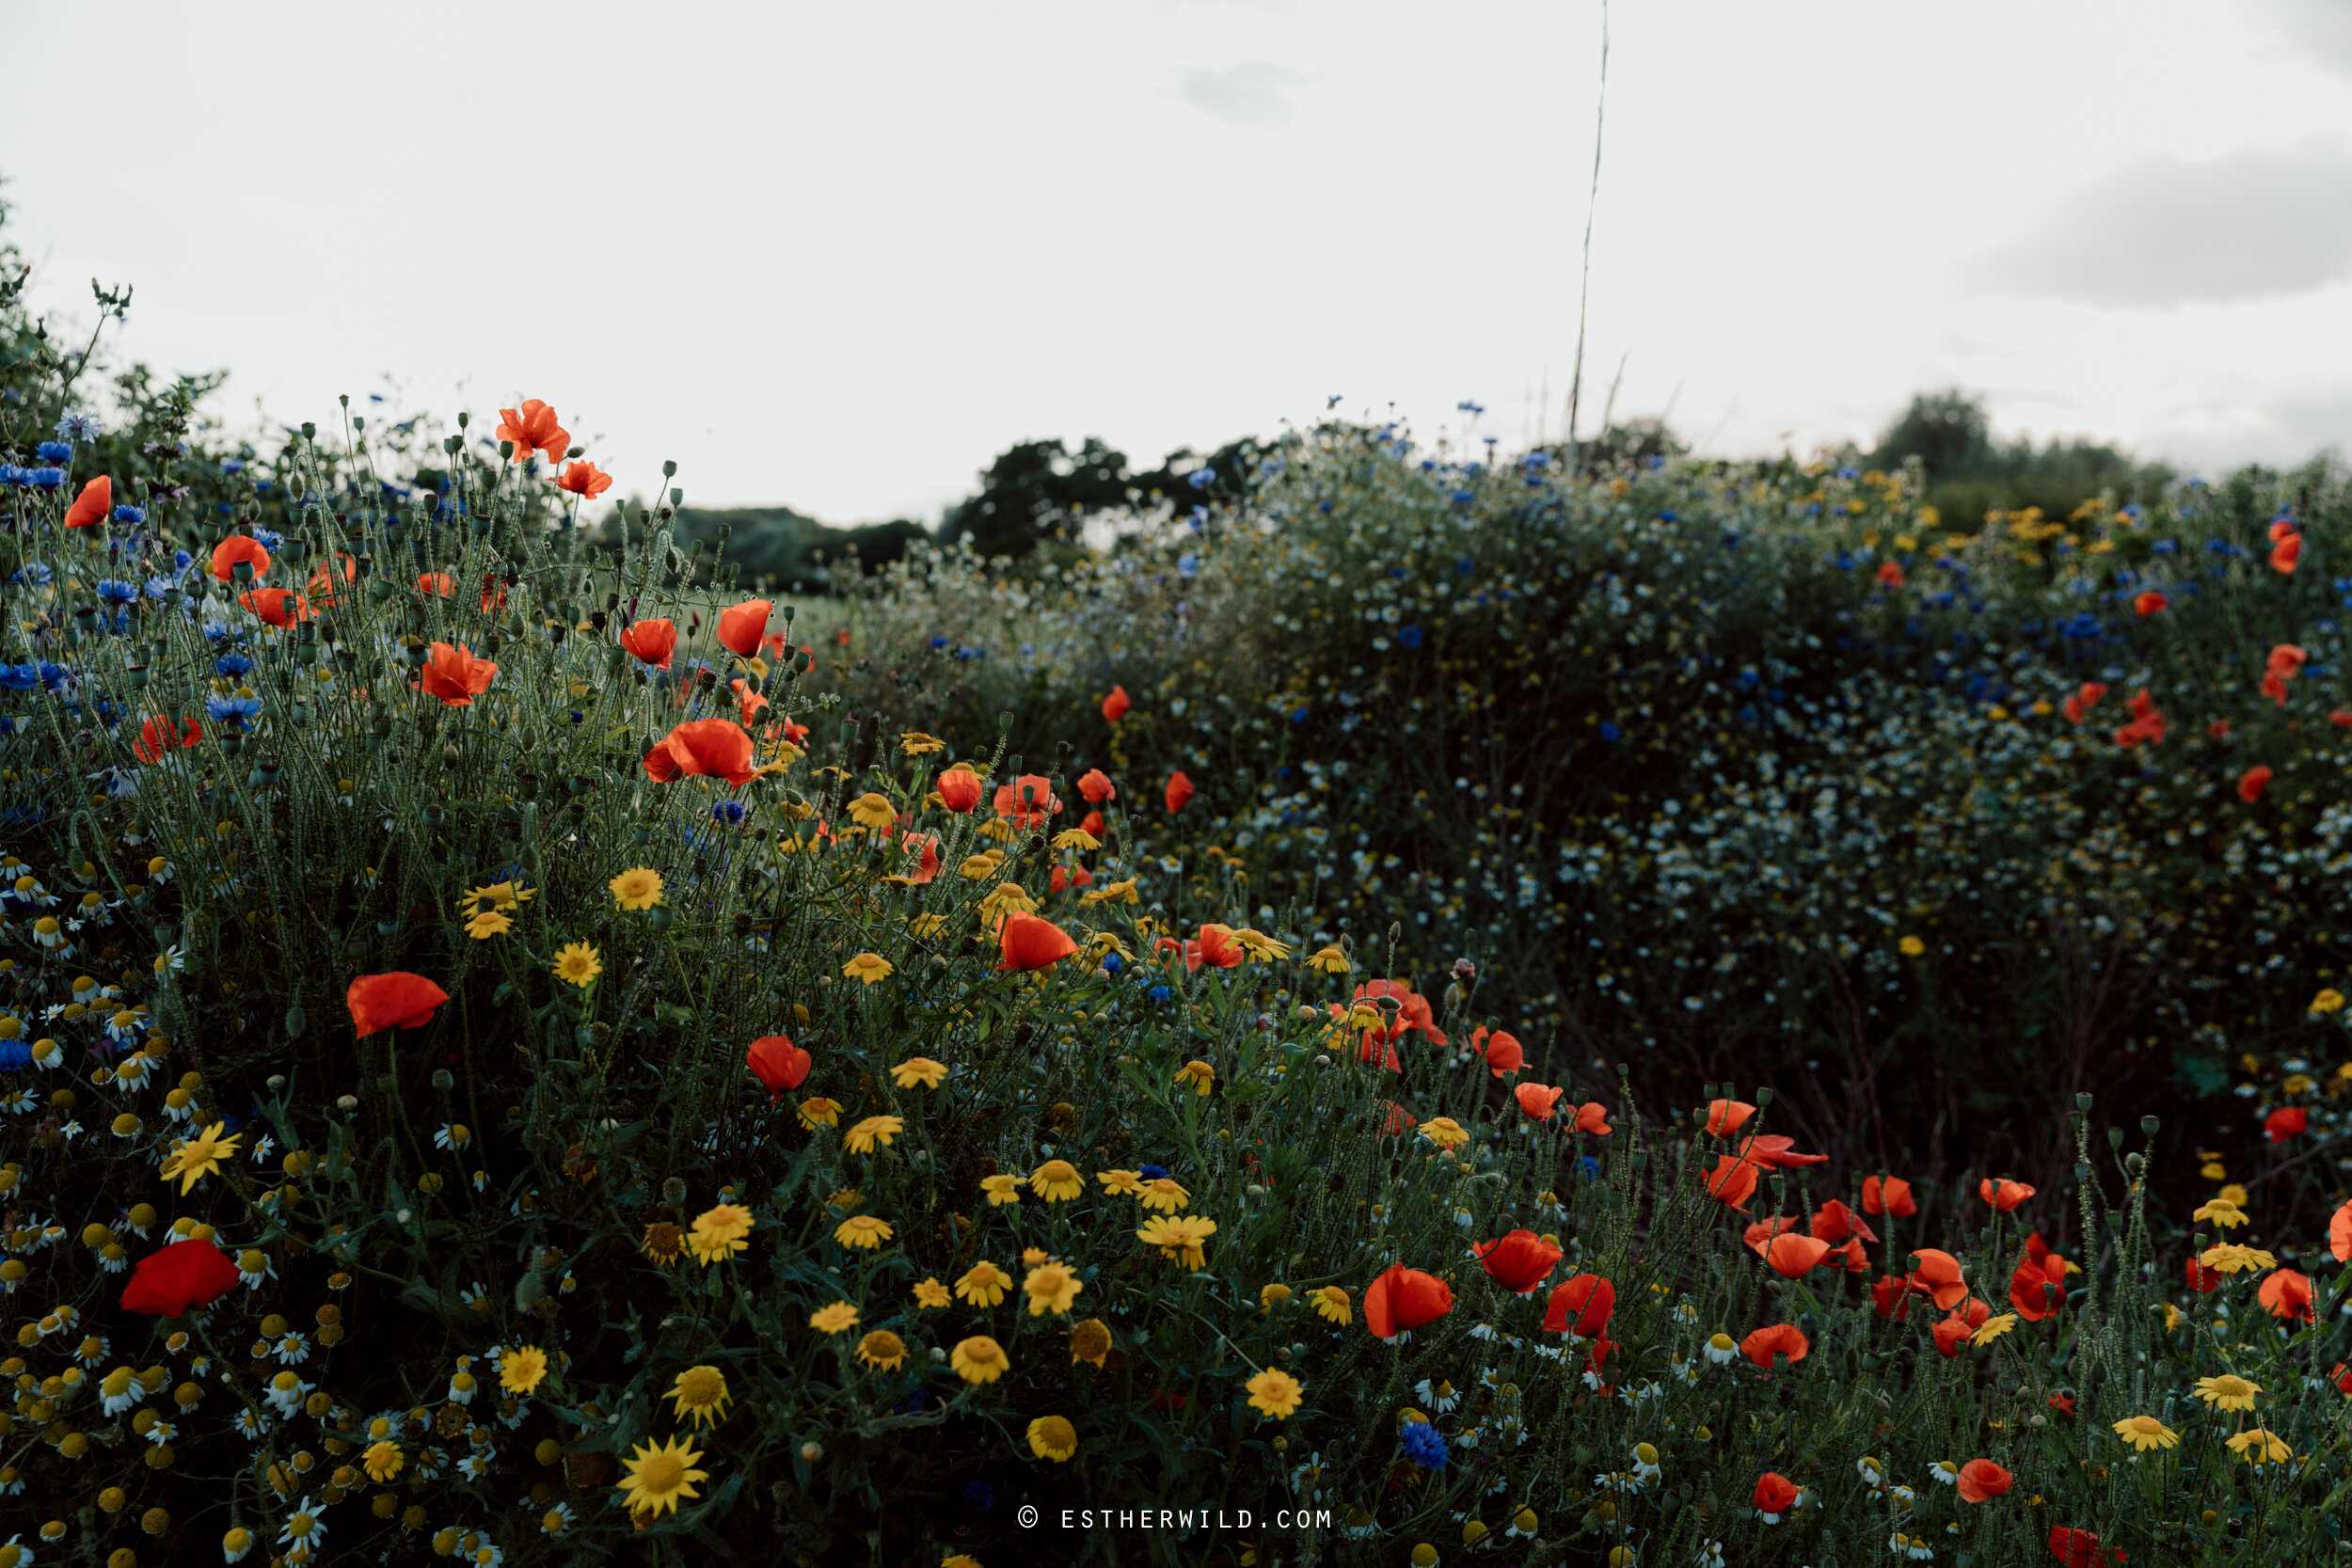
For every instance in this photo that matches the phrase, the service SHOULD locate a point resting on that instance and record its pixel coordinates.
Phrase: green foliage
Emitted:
(1971, 478)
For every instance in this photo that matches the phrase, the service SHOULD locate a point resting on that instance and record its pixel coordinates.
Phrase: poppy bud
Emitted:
(2149, 1125)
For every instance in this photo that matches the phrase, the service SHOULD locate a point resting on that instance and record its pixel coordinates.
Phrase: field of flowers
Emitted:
(1438, 1007)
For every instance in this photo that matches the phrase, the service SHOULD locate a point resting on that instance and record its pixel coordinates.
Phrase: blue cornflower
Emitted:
(939, 642)
(79, 427)
(219, 632)
(1409, 637)
(1152, 1173)
(15, 476)
(1462, 497)
(727, 812)
(232, 665)
(15, 1055)
(117, 593)
(268, 541)
(20, 677)
(231, 465)
(1299, 714)
(1187, 565)
(130, 514)
(45, 479)
(1424, 1445)
(1201, 477)
(54, 452)
(1465, 566)
(182, 561)
(1112, 962)
(233, 711)
(1157, 993)
(160, 588)
(1199, 518)
(1849, 472)
(36, 573)
(1609, 731)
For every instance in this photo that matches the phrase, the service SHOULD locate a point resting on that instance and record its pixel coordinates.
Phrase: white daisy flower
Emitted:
(303, 1526)
(1645, 1462)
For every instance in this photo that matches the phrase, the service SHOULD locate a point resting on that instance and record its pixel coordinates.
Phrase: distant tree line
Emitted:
(1036, 496)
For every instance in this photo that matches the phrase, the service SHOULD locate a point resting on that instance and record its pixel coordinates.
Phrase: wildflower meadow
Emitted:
(1422, 1005)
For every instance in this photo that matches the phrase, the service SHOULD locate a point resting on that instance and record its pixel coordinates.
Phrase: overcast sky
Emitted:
(837, 256)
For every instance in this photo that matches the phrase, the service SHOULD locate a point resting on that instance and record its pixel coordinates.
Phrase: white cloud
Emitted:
(2259, 223)
(2318, 31)
(1253, 93)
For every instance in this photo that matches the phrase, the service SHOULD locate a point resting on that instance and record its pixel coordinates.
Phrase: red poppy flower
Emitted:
(2286, 1122)
(2003, 1195)
(94, 505)
(2086, 697)
(1732, 1182)
(743, 627)
(1094, 787)
(1179, 790)
(1375, 1049)
(1027, 801)
(2287, 1294)
(1092, 823)
(1952, 1333)
(1537, 1100)
(1398, 1123)
(398, 1000)
(1726, 1117)
(440, 583)
(1403, 1299)
(1593, 1117)
(182, 1278)
(1075, 877)
(1850, 1258)
(1216, 947)
(1504, 1054)
(1764, 1230)
(2060, 1404)
(1936, 1275)
(1029, 943)
(1775, 1495)
(1980, 1481)
(1518, 1261)
(703, 748)
(1792, 1256)
(584, 480)
(925, 849)
(1892, 1294)
(2201, 1278)
(2340, 1234)
(2147, 723)
(2341, 719)
(1590, 1297)
(323, 586)
(275, 606)
(1836, 1221)
(1412, 1010)
(2252, 783)
(234, 548)
(1776, 1151)
(155, 738)
(959, 788)
(1115, 707)
(532, 429)
(651, 642)
(1779, 1339)
(777, 1062)
(2149, 601)
(1888, 1194)
(1890, 575)
(2341, 1375)
(2079, 1548)
(2038, 1288)
(2285, 553)
(748, 704)
(455, 675)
